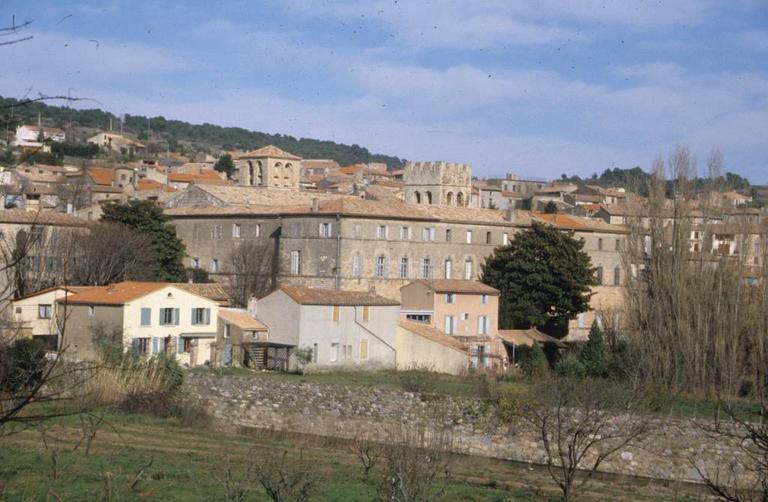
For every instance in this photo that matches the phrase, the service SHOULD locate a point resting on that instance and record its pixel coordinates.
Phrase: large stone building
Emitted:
(268, 167)
(438, 183)
(332, 241)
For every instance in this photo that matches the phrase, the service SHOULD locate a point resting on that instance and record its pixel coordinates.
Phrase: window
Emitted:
(91, 310)
(618, 245)
(600, 244)
(487, 237)
(381, 266)
(201, 316)
(469, 236)
(428, 234)
(146, 316)
(450, 298)
(599, 274)
(44, 311)
(482, 325)
(227, 330)
(450, 325)
(213, 266)
(357, 266)
(140, 346)
(366, 313)
(347, 352)
(381, 232)
(169, 317)
(483, 299)
(426, 268)
(334, 352)
(448, 236)
(296, 262)
(216, 232)
(404, 267)
(158, 345)
(405, 233)
(325, 230)
(448, 269)
(505, 239)
(315, 352)
(358, 230)
(195, 262)
(187, 344)
(235, 230)
(257, 230)
(468, 269)
(335, 313)
(617, 276)
(465, 316)
(364, 349)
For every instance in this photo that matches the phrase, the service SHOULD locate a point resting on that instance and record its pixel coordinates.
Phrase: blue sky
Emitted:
(536, 87)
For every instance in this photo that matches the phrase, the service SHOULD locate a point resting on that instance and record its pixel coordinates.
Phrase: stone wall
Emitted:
(350, 411)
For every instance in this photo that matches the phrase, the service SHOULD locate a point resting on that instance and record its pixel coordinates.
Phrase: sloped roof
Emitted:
(146, 185)
(70, 289)
(316, 296)
(241, 319)
(115, 294)
(206, 176)
(570, 222)
(527, 337)
(211, 290)
(102, 175)
(457, 286)
(268, 151)
(432, 334)
(21, 216)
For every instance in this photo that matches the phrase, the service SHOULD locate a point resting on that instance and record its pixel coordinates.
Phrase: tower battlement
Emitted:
(438, 182)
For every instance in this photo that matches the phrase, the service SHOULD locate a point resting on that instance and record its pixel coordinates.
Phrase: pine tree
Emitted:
(535, 364)
(593, 353)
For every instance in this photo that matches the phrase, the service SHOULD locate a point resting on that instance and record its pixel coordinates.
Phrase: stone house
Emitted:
(146, 317)
(421, 346)
(466, 310)
(242, 340)
(343, 329)
(117, 143)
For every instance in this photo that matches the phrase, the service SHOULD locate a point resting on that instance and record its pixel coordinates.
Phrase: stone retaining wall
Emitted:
(350, 411)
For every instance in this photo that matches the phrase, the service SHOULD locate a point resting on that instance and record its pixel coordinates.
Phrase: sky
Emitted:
(538, 88)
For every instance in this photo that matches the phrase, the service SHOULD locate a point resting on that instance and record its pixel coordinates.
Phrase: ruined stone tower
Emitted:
(438, 183)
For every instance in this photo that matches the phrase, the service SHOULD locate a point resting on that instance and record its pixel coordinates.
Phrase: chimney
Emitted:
(252, 302)
(315, 205)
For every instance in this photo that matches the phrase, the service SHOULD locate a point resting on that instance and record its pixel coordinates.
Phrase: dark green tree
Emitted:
(22, 366)
(225, 165)
(592, 355)
(148, 219)
(534, 362)
(550, 208)
(544, 277)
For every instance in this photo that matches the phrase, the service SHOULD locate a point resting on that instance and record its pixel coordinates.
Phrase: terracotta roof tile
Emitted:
(433, 334)
(102, 175)
(570, 222)
(206, 176)
(115, 294)
(316, 296)
(241, 319)
(267, 151)
(458, 286)
(211, 290)
(148, 185)
(527, 337)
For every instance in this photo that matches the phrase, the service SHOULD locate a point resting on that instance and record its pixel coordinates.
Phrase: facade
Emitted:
(117, 143)
(36, 316)
(465, 310)
(30, 136)
(268, 167)
(146, 317)
(343, 329)
(438, 183)
(420, 346)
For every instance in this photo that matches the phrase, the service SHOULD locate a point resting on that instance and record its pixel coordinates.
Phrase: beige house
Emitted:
(117, 143)
(36, 316)
(465, 310)
(146, 317)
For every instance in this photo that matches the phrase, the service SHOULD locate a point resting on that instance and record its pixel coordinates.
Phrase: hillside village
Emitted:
(362, 265)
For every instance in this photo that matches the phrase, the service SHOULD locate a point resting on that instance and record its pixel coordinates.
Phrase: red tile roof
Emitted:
(316, 296)
(433, 334)
(102, 175)
(457, 286)
(114, 294)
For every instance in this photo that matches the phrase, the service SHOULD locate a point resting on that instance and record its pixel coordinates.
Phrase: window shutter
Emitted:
(192, 321)
(161, 344)
(154, 345)
(479, 325)
(135, 345)
(175, 316)
(207, 316)
(179, 344)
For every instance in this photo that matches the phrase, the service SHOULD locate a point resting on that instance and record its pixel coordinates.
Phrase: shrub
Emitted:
(535, 362)
(592, 355)
(22, 366)
(417, 380)
(571, 367)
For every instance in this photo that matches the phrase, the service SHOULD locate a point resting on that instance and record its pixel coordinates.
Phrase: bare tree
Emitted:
(284, 478)
(580, 423)
(252, 271)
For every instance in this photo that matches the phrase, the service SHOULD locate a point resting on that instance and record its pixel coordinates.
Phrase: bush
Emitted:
(22, 365)
(535, 363)
(571, 367)
(592, 356)
(417, 380)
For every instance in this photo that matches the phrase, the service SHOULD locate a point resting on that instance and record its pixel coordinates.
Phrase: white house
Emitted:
(341, 328)
(29, 136)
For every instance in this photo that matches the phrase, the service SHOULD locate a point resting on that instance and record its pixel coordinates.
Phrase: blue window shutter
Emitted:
(207, 316)
(135, 345)
(180, 345)
(154, 345)
(175, 317)
(193, 316)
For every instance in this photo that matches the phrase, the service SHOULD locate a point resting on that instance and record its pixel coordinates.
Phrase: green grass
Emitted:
(180, 463)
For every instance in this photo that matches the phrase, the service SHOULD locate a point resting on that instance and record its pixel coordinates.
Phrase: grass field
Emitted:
(137, 457)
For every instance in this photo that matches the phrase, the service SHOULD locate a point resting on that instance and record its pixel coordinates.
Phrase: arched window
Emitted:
(469, 272)
(449, 198)
(417, 197)
(617, 276)
(460, 199)
(277, 170)
(259, 174)
(250, 173)
(429, 197)
(381, 266)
